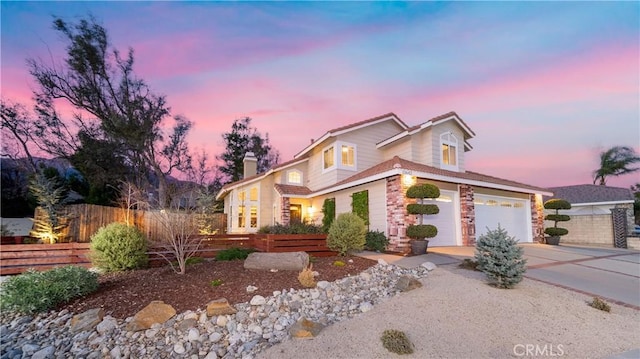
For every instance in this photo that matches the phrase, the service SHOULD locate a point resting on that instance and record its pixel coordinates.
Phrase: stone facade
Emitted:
(467, 215)
(537, 218)
(397, 218)
(285, 212)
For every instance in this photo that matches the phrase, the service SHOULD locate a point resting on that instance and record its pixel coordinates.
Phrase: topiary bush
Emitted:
(233, 253)
(396, 341)
(118, 247)
(347, 233)
(557, 204)
(33, 292)
(421, 231)
(500, 258)
(376, 241)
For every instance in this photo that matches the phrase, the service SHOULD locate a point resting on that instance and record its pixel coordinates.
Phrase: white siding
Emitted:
(400, 148)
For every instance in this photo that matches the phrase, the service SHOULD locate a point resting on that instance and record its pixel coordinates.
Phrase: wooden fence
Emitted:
(86, 219)
(17, 258)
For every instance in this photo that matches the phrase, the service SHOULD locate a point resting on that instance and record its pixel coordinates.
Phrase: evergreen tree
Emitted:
(244, 138)
(500, 258)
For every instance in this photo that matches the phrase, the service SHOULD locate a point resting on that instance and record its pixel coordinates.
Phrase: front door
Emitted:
(295, 211)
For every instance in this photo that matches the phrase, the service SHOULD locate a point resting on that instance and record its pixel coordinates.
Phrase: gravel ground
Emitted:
(457, 315)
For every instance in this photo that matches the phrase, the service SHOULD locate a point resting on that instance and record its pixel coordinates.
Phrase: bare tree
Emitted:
(17, 132)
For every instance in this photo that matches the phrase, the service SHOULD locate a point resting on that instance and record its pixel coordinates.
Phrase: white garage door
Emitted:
(445, 221)
(512, 214)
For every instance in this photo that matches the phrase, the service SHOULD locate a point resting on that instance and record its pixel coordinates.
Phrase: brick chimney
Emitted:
(250, 164)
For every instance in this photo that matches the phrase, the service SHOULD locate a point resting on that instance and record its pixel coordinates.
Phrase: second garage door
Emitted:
(512, 214)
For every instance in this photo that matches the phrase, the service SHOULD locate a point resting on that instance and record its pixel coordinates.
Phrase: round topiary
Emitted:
(557, 203)
(422, 231)
(556, 231)
(424, 190)
(557, 217)
(347, 233)
(417, 208)
(118, 247)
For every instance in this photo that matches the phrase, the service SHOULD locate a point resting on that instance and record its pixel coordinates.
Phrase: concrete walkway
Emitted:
(610, 273)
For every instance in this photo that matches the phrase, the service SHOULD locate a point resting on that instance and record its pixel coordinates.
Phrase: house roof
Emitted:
(225, 189)
(397, 165)
(351, 127)
(291, 190)
(449, 116)
(592, 194)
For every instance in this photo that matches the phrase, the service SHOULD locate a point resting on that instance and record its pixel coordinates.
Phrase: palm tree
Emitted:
(615, 161)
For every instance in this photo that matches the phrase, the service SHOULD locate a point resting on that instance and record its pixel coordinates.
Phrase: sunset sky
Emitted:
(545, 86)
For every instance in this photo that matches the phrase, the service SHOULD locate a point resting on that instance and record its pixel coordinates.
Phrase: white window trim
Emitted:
(455, 143)
(300, 173)
(339, 145)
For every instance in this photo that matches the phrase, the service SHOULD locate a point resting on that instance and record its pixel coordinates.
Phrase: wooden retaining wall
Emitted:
(17, 258)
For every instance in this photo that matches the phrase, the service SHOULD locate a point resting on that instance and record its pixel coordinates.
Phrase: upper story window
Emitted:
(341, 155)
(328, 158)
(242, 196)
(253, 194)
(348, 154)
(294, 177)
(449, 146)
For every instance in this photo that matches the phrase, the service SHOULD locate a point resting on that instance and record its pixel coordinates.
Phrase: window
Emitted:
(328, 158)
(294, 177)
(253, 217)
(253, 194)
(241, 196)
(348, 155)
(240, 216)
(449, 147)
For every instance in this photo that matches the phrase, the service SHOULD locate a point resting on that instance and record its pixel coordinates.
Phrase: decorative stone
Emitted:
(365, 307)
(429, 266)
(86, 320)
(407, 283)
(382, 262)
(179, 348)
(257, 300)
(323, 284)
(282, 261)
(221, 321)
(187, 324)
(251, 289)
(220, 307)
(215, 337)
(106, 325)
(305, 329)
(155, 312)
(44, 353)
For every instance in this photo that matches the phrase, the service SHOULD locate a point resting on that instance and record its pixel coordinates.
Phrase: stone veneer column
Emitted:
(467, 215)
(285, 212)
(397, 218)
(537, 217)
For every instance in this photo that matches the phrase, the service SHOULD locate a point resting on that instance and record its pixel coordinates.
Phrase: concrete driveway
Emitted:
(610, 273)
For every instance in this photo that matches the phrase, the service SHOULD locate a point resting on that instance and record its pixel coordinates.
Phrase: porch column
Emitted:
(397, 218)
(537, 217)
(467, 215)
(285, 212)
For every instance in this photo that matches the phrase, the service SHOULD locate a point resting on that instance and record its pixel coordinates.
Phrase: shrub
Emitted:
(233, 253)
(339, 264)
(500, 258)
(33, 292)
(556, 204)
(600, 304)
(216, 282)
(396, 341)
(417, 208)
(376, 241)
(328, 213)
(293, 228)
(306, 277)
(118, 247)
(422, 231)
(469, 263)
(424, 190)
(347, 233)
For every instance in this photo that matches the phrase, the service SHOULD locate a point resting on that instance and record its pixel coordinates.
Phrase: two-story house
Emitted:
(378, 159)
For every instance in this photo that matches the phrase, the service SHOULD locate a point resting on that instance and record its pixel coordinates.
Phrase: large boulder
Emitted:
(281, 261)
(155, 312)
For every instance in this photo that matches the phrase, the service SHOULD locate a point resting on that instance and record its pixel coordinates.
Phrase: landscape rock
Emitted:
(220, 307)
(257, 300)
(429, 266)
(155, 312)
(86, 320)
(305, 329)
(45, 353)
(107, 324)
(296, 261)
(251, 289)
(407, 283)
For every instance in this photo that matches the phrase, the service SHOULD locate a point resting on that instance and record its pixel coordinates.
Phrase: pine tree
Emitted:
(500, 258)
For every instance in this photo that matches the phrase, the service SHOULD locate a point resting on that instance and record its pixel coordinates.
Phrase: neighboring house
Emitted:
(378, 159)
(594, 209)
